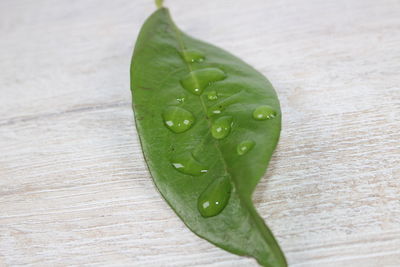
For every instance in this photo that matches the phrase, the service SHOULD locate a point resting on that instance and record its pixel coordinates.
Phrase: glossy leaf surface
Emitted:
(208, 125)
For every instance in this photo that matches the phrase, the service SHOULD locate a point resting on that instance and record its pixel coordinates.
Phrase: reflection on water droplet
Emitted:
(197, 80)
(244, 147)
(178, 119)
(215, 197)
(221, 127)
(187, 164)
(192, 55)
(264, 113)
(212, 95)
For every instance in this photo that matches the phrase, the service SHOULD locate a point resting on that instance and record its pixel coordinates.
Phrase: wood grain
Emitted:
(74, 188)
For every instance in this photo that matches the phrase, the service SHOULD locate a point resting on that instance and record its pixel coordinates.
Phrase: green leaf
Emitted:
(208, 124)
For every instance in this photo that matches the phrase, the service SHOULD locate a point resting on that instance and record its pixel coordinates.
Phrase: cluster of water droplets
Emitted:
(216, 195)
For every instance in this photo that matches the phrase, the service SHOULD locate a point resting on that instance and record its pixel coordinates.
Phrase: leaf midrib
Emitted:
(182, 47)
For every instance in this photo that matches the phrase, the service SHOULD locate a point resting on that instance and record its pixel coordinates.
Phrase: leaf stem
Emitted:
(159, 3)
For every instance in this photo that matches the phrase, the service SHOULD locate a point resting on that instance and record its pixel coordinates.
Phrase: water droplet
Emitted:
(178, 119)
(212, 95)
(221, 127)
(181, 99)
(218, 107)
(215, 197)
(214, 110)
(192, 55)
(196, 81)
(245, 147)
(264, 113)
(187, 164)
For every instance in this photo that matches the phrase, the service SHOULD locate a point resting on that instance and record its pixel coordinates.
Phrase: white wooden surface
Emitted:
(75, 191)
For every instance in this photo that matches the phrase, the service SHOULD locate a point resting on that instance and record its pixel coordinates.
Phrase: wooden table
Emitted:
(74, 188)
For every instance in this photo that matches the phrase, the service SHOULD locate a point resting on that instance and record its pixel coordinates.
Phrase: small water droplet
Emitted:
(245, 147)
(196, 81)
(221, 105)
(181, 99)
(187, 164)
(221, 127)
(215, 197)
(212, 95)
(178, 119)
(214, 110)
(264, 112)
(192, 55)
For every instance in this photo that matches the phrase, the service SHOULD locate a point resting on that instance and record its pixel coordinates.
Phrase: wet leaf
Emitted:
(208, 126)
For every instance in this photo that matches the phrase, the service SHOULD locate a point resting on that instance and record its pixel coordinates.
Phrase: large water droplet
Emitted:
(264, 112)
(221, 127)
(212, 95)
(197, 80)
(215, 197)
(187, 164)
(192, 55)
(178, 119)
(244, 147)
